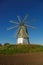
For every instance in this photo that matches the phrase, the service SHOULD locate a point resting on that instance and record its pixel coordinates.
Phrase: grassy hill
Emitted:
(14, 49)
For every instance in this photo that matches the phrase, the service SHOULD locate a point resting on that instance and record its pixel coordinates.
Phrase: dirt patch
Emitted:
(22, 59)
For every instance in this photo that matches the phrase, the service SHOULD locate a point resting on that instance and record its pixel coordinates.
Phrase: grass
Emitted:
(14, 49)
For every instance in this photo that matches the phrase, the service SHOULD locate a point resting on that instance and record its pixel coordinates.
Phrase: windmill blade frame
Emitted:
(30, 20)
(15, 35)
(25, 18)
(11, 21)
(17, 31)
(19, 19)
(11, 27)
(31, 27)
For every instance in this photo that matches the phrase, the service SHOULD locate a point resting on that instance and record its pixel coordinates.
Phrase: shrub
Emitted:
(7, 44)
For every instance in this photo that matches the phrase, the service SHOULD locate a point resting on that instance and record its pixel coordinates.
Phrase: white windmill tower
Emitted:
(22, 33)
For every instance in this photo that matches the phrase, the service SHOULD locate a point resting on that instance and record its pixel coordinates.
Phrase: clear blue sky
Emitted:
(9, 9)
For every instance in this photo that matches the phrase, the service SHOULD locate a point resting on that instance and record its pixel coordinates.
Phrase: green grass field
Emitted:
(14, 49)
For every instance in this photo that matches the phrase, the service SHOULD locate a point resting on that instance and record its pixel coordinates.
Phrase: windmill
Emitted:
(22, 33)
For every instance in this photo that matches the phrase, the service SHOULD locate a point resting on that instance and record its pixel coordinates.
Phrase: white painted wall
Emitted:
(22, 40)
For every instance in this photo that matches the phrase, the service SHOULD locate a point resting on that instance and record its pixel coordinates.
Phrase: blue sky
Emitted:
(9, 9)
